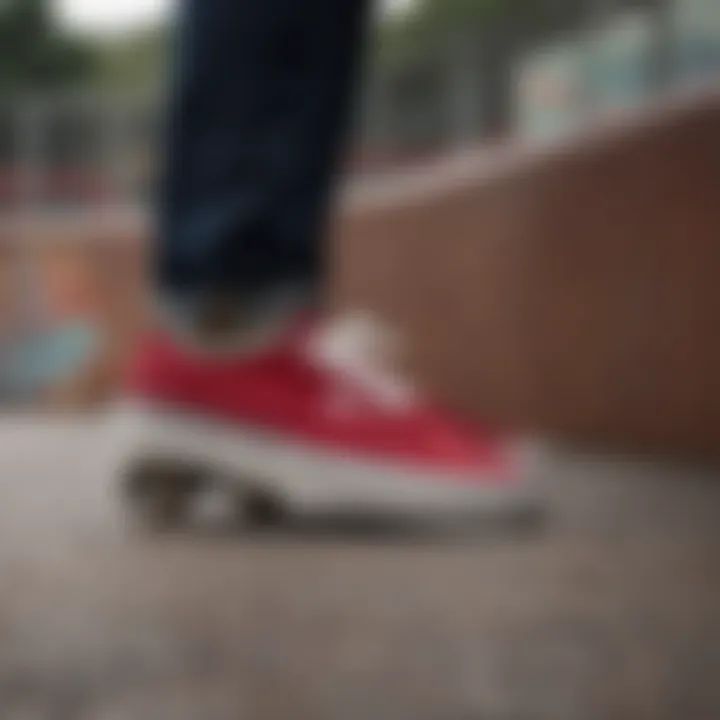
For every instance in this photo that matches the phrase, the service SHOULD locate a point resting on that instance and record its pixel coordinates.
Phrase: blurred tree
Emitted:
(479, 41)
(135, 63)
(34, 55)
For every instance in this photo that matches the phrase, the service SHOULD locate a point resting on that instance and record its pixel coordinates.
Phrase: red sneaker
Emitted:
(308, 426)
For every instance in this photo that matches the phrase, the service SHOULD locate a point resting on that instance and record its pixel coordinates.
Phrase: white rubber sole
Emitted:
(307, 482)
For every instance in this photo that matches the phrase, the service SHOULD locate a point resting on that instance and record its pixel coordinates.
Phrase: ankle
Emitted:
(223, 322)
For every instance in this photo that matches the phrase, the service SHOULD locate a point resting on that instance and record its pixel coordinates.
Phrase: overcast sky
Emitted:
(120, 15)
(110, 15)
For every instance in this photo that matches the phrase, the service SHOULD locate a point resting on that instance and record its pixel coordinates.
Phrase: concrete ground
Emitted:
(611, 612)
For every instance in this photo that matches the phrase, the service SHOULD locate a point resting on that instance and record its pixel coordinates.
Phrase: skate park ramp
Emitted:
(570, 288)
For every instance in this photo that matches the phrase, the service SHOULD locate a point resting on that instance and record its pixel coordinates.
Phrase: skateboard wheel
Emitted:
(260, 509)
(161, 493)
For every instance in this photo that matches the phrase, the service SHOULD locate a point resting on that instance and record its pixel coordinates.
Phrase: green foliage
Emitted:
(135, 64)
(33, 54)
(465, 40)
(433, 25)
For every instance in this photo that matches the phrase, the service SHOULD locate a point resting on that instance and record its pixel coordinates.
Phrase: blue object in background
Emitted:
(36, 364)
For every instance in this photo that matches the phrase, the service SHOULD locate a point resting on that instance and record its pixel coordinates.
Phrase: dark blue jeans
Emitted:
(261, 96)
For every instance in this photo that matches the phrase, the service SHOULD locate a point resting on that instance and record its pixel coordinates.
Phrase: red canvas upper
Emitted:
(284, 391)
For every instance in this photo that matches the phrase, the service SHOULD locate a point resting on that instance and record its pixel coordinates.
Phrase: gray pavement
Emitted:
(612, 611)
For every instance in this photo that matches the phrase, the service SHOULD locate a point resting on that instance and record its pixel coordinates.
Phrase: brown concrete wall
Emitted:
(573, 291)
(576, 291)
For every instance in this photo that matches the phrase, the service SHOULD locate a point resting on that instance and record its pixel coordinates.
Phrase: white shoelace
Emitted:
(361, 352)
